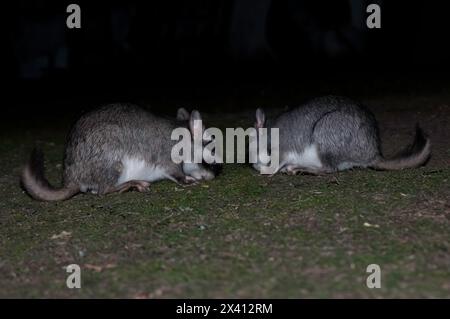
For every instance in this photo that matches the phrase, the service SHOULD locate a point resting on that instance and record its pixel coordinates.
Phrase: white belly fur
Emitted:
(137, 169)
(309, 158)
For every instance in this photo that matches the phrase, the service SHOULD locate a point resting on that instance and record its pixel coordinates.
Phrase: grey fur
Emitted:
(98, 144)
(344, 133)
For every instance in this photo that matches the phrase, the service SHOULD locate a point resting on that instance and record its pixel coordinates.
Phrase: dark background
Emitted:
(186, 52)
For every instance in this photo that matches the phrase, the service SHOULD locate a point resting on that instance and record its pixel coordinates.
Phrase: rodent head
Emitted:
(196, 127)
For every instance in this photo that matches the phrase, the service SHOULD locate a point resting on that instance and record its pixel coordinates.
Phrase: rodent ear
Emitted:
(182, 114)
(195, 123)
(260, 118)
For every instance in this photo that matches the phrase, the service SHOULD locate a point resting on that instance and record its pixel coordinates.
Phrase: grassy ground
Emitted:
(240, 235)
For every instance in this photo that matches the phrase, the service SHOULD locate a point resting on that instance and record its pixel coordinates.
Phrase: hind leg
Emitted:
(96, 177)
(292, 169)
(140, 186)
(102, 180)
(347, 138)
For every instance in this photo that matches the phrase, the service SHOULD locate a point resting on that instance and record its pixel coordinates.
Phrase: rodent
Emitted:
(115, 148)
(333, 133)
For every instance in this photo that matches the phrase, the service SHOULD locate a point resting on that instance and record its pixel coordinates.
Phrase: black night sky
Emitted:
(126, 50)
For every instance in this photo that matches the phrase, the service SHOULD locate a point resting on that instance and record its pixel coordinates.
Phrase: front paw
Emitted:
(292, 172)
(188, 180)
(202, 175)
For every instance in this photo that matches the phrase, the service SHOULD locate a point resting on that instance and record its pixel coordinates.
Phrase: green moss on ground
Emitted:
(240, 235)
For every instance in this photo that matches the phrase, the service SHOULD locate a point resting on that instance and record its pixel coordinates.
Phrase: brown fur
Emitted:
(414, 156)
(35, 183)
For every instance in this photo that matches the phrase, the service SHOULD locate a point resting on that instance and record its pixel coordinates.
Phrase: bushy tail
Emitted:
(414, 156)
(37, 186)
